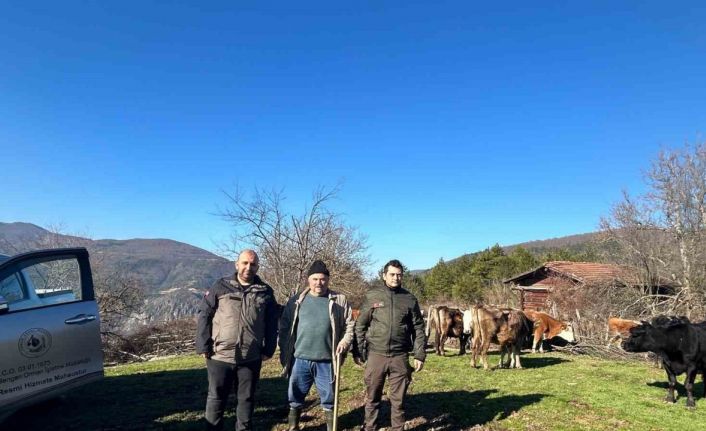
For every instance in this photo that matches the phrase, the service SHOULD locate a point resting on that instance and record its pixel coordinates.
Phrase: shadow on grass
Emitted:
(528, 362)
(168, 400)
(452, 410)
(699, 388)
(540, 362)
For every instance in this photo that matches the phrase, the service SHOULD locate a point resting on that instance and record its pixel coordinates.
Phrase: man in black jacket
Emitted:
(237, 330)
(390, 326)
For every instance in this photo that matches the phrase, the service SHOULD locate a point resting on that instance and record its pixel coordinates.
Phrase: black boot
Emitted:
(329, 419)
(293, 419)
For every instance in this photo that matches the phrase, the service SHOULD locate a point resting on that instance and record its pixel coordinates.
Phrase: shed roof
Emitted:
(584, 272)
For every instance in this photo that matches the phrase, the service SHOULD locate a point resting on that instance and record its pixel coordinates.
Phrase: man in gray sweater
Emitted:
(316, 327)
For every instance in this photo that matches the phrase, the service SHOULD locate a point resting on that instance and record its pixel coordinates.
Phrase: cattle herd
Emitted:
(509, 328)
(678, 343)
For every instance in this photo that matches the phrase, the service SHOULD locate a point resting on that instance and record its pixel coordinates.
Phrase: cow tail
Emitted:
(527, 328)
(476, 323)
(430, 316)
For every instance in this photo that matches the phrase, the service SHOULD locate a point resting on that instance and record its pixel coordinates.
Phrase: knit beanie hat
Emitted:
(318, 267)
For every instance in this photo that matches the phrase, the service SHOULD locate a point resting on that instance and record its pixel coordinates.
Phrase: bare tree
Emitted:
(663, 232)
(119, 296)
(288, 243)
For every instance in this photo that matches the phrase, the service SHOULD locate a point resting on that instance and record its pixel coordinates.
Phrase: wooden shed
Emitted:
(535, 286)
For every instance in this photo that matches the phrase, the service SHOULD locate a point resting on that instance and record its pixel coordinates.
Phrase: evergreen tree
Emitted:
(439, 281)
(523, 260)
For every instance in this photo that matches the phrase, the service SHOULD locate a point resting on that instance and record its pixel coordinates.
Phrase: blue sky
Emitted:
(452, 125)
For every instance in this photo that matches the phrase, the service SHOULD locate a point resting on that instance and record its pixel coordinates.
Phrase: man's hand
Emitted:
(265, 358)
(418, 365)
(341, 349)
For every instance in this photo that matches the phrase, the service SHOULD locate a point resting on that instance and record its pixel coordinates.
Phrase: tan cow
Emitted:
(446, 322)
(619, 328)
(505, 326)
(547, 327)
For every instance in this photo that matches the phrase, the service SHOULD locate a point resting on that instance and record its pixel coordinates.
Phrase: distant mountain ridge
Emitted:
(173, 274)
(571, 241)
(16, 232)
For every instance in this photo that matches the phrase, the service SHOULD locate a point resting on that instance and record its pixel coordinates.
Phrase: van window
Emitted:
(47, 282)
(11, 289)
(55, 277)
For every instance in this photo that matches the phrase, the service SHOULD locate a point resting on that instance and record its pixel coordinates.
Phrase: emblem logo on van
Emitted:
(34, 342)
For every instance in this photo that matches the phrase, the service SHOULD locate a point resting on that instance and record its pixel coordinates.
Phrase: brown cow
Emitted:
(505, 326)
(546, 327)
(619, 328)
(446, 322)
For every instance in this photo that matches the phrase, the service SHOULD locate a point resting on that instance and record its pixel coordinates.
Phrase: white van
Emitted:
(49, 326)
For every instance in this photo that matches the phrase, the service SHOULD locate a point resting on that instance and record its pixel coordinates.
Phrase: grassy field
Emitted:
(553, 392)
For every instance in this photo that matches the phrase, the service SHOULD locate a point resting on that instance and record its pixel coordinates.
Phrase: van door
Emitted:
(49, 326)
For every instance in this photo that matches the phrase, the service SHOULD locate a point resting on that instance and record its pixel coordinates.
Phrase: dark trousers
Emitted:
(222, 378)
(399, 374)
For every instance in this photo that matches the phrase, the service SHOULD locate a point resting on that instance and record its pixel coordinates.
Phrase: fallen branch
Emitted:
(601, 350)
(138, 357)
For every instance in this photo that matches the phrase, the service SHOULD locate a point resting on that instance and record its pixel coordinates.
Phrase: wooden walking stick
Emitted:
(337, 371)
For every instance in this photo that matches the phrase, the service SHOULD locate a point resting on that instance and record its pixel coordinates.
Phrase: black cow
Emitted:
(679, 343)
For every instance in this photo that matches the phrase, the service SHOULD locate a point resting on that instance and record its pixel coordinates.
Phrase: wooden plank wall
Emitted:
(533, 300)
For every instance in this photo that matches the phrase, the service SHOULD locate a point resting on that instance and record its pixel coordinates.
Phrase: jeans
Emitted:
(304, 374)
(222, 378)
